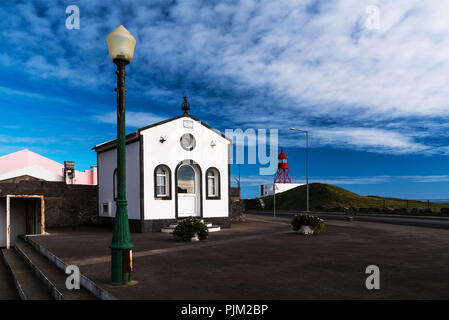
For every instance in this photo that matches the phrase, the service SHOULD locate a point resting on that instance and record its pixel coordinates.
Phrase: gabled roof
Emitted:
(25, 158)
(29, 163)
(134, 136)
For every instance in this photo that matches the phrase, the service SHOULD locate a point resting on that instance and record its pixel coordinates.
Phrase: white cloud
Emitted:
(369, 139)
(249, 181)
(11, 94)
(133, 119)
(26, 140)
(270, 63)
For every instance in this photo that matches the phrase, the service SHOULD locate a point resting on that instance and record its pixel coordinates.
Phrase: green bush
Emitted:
(187, 228)
(317, 224)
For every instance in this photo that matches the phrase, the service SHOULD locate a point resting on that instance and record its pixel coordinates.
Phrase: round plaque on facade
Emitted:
(187, 141)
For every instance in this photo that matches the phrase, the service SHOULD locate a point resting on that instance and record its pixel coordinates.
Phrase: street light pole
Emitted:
(238, 184)
(121, 49)
(274, 200)
(307, 161)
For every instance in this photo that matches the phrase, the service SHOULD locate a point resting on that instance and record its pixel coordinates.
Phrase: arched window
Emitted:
(186, 179)
(162, 182)
(212, 184)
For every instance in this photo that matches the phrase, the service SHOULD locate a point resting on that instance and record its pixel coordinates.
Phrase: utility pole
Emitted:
(307, 161)
(238, 184)
(240, 193)
(274, 200)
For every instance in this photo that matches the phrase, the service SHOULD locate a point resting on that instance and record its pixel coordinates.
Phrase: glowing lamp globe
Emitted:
(121, 44)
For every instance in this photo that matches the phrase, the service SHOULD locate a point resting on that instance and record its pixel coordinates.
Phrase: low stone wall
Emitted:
(234, 193)
(65, 205)
(237, 210)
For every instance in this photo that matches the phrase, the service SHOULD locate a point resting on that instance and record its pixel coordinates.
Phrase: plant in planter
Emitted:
(307, 224)
(190, 229)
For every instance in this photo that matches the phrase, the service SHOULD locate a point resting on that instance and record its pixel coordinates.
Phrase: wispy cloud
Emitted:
(372, 139)
(260, 64)
(44, 144)
(23, 139)
(339, 180)
(6, 92)
(345, 180)
(133, 119)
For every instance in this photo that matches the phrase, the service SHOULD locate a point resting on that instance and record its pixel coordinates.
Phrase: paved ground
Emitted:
(263, 259)
(419, 221)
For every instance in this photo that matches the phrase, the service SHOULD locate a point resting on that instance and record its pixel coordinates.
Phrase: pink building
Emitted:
(27, 165)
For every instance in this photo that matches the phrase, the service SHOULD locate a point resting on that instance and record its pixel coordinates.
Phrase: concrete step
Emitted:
(213, 228)
(53, 277)
(28, 286)
(8, 290)
(210, 227)
(208, 224)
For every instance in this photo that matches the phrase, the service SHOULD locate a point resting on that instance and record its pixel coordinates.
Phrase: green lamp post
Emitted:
(121, 49)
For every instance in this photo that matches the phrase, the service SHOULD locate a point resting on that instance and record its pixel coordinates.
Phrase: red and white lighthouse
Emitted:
(283, 173)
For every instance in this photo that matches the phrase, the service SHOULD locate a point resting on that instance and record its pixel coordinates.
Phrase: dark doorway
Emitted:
(32, 208)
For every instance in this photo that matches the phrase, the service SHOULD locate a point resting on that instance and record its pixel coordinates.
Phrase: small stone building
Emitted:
(29, 207)
(37, 192)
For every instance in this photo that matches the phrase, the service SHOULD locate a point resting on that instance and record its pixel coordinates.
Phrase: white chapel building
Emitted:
(174, 169)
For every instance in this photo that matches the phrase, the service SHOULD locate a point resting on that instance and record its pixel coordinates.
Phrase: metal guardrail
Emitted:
(408, 203)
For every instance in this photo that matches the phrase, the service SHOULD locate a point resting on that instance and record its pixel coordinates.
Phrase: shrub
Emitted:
(187, 228)
(317, 224)
(444, 210)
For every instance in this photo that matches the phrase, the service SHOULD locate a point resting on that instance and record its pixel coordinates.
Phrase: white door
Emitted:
(187, 198)
(186, 205)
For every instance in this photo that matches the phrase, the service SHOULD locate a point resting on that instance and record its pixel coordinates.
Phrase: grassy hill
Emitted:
(322, 196)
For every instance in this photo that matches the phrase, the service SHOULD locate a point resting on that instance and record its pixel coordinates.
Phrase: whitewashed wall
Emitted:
(280, 187)
(2, 222)
(171, 154)
(107, 162)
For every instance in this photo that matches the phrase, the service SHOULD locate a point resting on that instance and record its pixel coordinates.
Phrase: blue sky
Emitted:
(374, 100)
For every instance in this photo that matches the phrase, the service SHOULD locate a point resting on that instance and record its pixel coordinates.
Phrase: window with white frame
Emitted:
(213, 183)
(162, 182)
